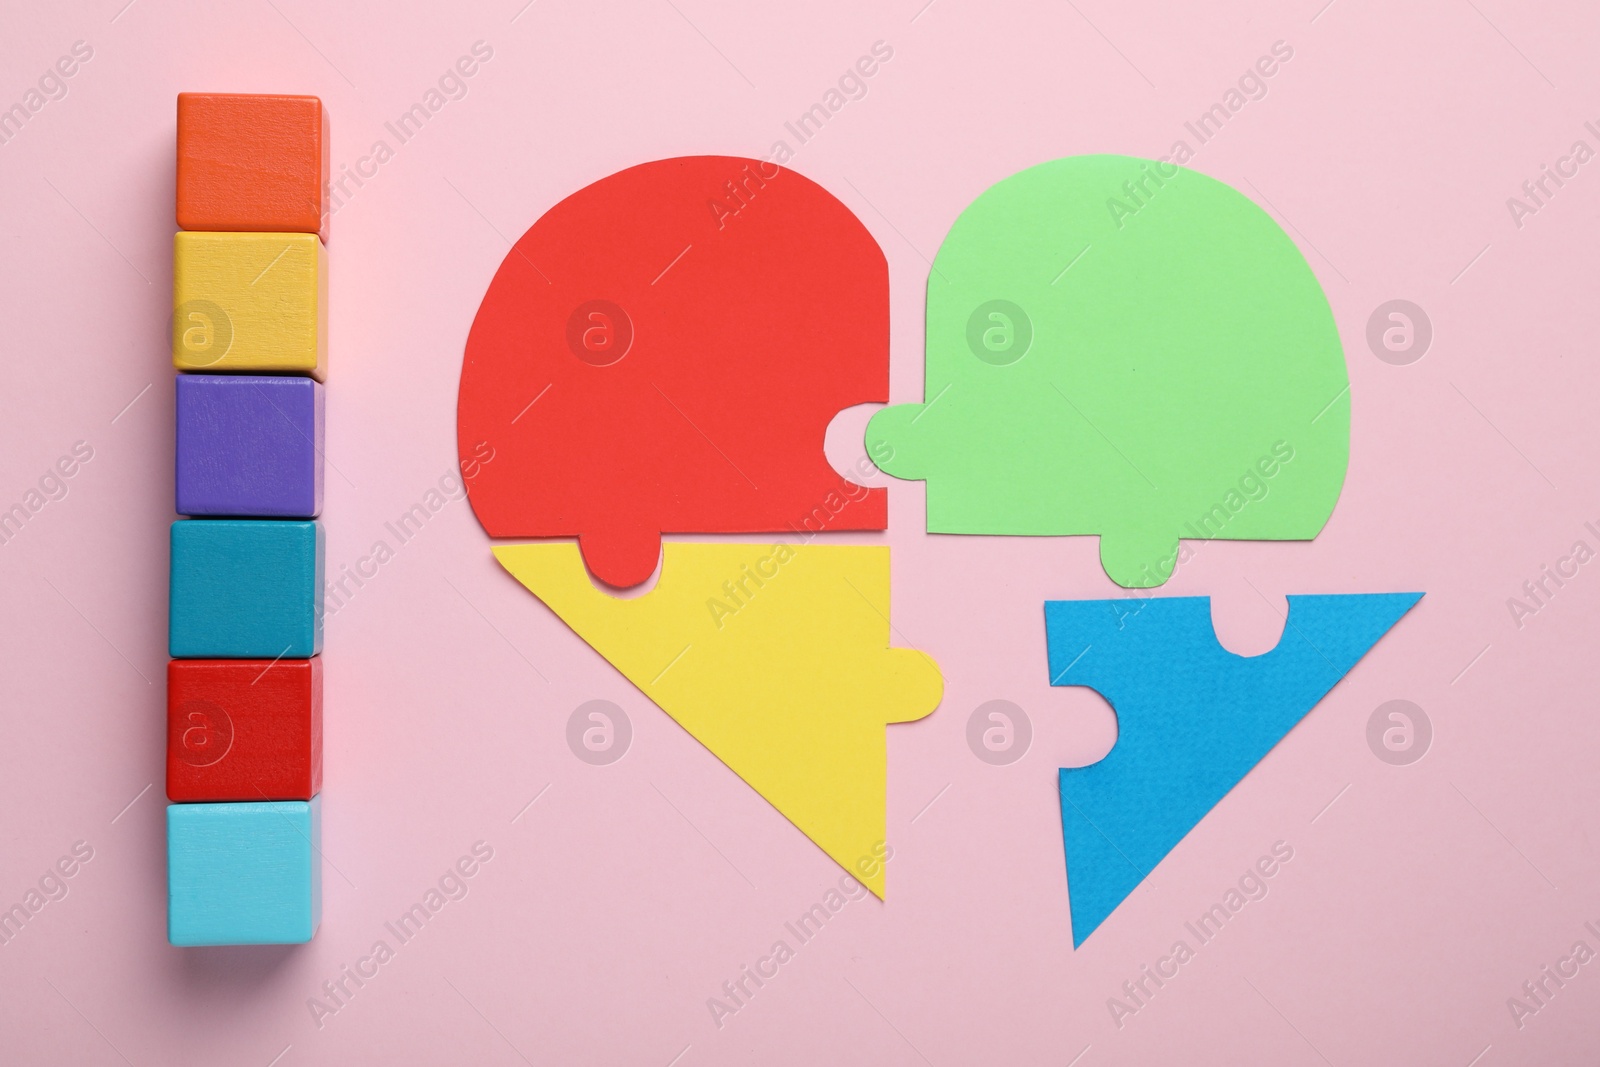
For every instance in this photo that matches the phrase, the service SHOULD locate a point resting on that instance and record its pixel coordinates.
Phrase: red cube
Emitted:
(244, 729)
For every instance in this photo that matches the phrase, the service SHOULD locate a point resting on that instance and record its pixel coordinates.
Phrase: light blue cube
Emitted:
(244, 874)
(245, 589)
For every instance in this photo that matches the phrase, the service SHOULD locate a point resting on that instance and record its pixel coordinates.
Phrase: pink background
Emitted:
(1415, 905)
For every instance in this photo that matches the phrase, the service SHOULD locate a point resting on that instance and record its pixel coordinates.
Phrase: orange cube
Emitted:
(252, 163)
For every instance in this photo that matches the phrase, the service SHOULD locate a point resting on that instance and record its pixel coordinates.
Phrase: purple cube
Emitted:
(249, 445)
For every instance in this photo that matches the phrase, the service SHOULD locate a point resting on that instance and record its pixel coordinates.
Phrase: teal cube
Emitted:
(244, 874)
(245, 589)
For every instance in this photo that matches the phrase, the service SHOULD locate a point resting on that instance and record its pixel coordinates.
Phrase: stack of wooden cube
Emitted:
(244, 685)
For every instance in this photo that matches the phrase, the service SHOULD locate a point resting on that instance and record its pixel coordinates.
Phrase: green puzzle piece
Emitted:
(1126, 348)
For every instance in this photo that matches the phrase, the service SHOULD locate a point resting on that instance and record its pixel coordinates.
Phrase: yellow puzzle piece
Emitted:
(254, 302)
(776, 658)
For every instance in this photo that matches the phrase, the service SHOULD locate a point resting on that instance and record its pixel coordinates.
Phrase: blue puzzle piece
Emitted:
(244, 874)
(245, 589)
(1192, 719)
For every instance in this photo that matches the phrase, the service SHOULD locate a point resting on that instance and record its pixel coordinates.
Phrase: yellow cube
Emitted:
(254, 302)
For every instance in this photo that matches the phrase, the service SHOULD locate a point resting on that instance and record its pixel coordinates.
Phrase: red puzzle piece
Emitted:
(663, 351)
(244, 729)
